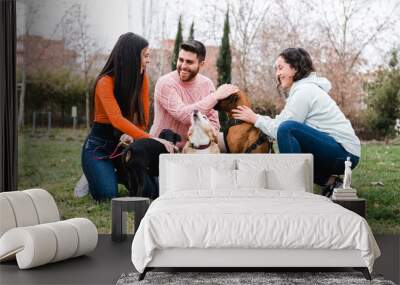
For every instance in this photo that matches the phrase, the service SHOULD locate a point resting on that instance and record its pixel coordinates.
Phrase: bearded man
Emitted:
(180, 92)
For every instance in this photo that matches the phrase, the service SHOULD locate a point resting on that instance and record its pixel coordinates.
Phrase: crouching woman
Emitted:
(311, 121)
(121, 112)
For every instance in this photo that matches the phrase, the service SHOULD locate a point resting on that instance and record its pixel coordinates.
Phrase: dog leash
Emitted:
(113, 155)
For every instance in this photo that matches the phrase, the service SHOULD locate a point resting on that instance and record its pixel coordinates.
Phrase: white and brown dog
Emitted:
(202, 138)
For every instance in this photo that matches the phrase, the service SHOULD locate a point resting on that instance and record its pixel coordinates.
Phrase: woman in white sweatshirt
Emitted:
(311, 122)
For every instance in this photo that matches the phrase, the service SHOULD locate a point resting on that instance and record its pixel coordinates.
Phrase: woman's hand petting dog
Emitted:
(168, 145)
(244, 113)
(126, 139)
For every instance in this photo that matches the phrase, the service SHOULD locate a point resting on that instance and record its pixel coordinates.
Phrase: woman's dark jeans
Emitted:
(329, 155)
(104, 175)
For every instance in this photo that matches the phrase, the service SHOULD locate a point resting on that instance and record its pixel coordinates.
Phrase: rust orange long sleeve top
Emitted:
(107, 110)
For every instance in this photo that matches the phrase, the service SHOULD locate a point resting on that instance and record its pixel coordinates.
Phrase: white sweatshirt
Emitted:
(309, 103)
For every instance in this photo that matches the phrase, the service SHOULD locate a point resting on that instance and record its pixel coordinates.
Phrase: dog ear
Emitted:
(213, 135)
(235, 98)
(177, 138)
(232, 101)
(228, 103)
(243, 99)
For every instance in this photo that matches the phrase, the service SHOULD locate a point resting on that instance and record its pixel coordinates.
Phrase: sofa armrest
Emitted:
(33, 246)
(26, 208)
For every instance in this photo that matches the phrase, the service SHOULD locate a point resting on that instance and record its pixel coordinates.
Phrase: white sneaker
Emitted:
(82, 187)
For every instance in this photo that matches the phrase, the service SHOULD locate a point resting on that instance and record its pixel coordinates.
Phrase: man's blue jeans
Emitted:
(104, 175)
(329, 155)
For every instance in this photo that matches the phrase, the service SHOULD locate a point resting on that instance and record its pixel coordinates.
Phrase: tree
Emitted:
(31, 60)
(178, 41)
(384, 99)
(31, 11)
(394, 59)
(248, 17)
(56, 91)
(348, 30)
(191, 32)
(212, 20)
(77, 34)
(224, 58)
(339, 35)
(224, 62)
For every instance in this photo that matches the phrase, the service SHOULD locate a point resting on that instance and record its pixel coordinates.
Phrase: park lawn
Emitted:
(52, 162)
(377, 179)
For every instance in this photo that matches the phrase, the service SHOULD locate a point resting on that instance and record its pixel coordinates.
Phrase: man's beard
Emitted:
(192, 74)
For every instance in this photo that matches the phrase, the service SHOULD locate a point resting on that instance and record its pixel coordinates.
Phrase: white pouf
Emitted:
(31, 232)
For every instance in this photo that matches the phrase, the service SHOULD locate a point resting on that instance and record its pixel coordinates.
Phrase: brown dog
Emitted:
(239, 136)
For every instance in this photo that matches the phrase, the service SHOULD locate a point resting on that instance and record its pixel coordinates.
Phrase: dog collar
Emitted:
(233, 122)
(203, 146)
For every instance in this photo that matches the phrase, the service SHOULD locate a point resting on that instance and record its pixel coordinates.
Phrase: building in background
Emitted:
(41, 54)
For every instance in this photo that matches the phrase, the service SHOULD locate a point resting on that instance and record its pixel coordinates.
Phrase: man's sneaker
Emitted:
(82, 187)
(327, 190)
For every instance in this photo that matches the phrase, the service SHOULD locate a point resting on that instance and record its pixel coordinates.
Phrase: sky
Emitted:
(108, 19)
(154, 19)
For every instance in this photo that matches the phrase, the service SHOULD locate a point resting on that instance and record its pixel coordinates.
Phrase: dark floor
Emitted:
(102, 266)
(110, 260)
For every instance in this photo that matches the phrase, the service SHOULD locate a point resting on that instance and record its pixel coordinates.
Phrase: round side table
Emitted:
(119, 208)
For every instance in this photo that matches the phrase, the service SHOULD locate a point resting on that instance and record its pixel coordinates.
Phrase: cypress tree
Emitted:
(178, 41)
(191, 32)
(224, 57)
(224, 63)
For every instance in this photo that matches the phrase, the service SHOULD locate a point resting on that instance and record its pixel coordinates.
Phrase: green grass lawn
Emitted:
(377, 179)
(52, 162)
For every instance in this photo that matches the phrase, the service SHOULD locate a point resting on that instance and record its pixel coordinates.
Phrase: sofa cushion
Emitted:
(23, 208)
(45, 205)
(27, 208)
(7, 215)
(30, 230)
(40, 244)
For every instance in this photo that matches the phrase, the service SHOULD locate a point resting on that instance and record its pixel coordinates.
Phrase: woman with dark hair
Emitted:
(121, 113)
(311, 122)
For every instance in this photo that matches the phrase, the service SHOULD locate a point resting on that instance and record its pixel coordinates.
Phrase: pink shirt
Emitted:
(175, 100)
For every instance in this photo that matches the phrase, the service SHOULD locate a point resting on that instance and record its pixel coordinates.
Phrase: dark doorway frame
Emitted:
(8, 97)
